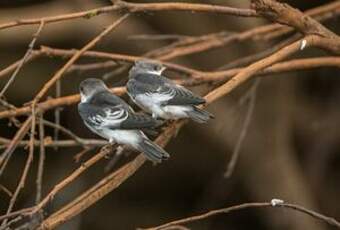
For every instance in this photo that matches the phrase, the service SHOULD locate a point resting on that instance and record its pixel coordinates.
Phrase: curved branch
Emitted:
(329, 220)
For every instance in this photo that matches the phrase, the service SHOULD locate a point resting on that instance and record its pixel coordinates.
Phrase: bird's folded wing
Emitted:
(108, 99)
(103, 116)
(115, 117)
(162, 89)
(139, 121)
(183, 96)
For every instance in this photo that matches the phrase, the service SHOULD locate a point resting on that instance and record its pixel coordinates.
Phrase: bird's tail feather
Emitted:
(199, 115)
(152, 151)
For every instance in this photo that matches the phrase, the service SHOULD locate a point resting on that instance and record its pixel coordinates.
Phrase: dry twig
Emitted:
(23, 60)
(329, 220)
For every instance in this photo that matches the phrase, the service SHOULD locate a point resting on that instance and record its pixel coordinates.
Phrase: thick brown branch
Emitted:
(285, 14)
(207, 42)
(248, 72)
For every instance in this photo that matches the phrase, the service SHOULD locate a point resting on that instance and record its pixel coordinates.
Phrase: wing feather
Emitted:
(162, 90)
(107, 112)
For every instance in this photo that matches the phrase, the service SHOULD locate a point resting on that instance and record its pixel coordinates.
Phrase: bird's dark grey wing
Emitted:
(151, 84)
(101, 116)
(139, 121)
(143, 83)
(108, 99)
(183, 96)
(115, 117)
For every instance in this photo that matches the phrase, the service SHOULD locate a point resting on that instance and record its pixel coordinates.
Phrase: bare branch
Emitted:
(329, 220)
(23, 60)
(236, 152)
(136, 7)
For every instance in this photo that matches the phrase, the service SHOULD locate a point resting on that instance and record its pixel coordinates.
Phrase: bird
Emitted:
(112, 118)
(159, 96)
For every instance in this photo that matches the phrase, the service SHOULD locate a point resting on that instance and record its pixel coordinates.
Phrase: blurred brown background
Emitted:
(291, 151)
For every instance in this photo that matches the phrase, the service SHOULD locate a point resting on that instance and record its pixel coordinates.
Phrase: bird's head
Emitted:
(90, 87)
(148, 66)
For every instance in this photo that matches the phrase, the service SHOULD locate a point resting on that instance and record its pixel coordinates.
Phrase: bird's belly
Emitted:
(176, 111)
(97, 131)
(127, 137)
(151, 104)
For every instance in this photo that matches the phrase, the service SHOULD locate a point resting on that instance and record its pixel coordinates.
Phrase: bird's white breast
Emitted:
(176, 111)
(127, 137)
(152, 102)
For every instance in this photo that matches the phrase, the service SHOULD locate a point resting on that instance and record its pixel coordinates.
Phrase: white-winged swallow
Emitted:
(161, 97)
(113, 119)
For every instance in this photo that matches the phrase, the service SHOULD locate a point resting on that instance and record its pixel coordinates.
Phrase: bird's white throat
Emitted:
(159, 72)
(83, 98)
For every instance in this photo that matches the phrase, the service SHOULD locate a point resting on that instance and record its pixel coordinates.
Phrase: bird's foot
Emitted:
(109, 149)
(119, 150)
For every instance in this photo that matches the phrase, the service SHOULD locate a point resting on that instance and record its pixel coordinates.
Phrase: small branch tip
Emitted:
(274, 202)
(303, 44)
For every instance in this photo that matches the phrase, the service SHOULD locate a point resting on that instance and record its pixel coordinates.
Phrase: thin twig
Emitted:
(84, 166)
(152, 37)
(29, 160)
(23, 60)
(60, 144)
(23, 212)
(6, 155)
(65, 131)
(257, 56)
(329, 220)
(244, 130)
(12, 221)
(6, 190)
(136, 7)
(41, 159)
(93, 66)
(176, 227)
(76, 56)
(57, 111)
